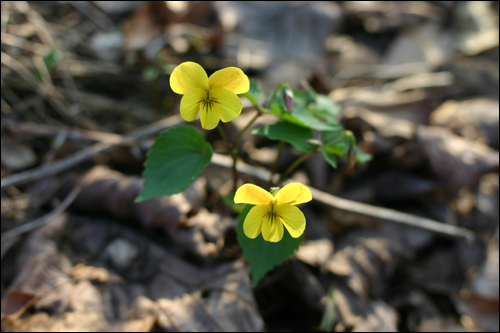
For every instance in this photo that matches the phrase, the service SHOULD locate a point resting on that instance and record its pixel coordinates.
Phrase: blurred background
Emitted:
(85, 90)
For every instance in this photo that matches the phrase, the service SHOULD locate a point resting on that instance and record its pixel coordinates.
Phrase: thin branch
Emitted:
(385, 214)
(85, 154)
(44, 219)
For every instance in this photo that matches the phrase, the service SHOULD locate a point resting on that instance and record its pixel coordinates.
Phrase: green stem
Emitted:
(296, 164)
(240, 135)
(275, 165)
(281, 85)
(234, 150)
(224, 137)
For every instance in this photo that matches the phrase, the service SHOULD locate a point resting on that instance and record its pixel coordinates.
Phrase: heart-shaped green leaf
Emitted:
(175, 161)
(263, 255)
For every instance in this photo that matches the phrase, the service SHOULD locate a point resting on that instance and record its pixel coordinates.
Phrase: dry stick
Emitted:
(360, 208)
(43, 219)
(85, 154)
(75, 134)
(45, 90)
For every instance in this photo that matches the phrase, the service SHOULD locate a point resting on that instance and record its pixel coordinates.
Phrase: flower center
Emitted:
(207, 102)
(272, 215)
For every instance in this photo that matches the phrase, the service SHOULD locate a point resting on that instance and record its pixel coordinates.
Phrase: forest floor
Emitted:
(405, 242)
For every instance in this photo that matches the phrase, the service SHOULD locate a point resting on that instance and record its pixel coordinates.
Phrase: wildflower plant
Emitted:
(214, 98)
(271, 226)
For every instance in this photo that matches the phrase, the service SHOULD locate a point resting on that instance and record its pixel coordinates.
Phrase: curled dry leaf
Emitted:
(16, 302)
(365, 260)
(157, 289)
(475, 119)
(177, 216)
(480, 301)
(459, 161)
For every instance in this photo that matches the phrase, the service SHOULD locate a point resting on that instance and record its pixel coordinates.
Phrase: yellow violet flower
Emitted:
(271, 212)
(215, 97)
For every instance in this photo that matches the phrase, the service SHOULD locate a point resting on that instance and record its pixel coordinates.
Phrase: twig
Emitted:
(85, 154)
(56, 144)
(44, 219)
(95, 15)
(386, 214)
(36, 20)
(75, 134)
(45, 90)
(392, 215)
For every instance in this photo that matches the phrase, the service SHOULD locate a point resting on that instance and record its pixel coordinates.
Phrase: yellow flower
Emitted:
(215, 97)
(273, 211)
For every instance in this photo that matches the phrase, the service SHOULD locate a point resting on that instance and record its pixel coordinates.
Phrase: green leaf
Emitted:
(175, 161)
(361, 156)
(295, 135)
(330, 158)
(263, 255)
(54, 57)
(51, 60)
(337, 142)
(326, 109)
(330, 314)
(300, 115)
(255, 94)
(150, 73)
(229, 200)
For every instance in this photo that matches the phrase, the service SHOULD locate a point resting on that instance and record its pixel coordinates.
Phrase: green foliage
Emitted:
(305, 112)
(229, 200)
(326, 109)
(54, 57)
(329, 316)
(175, 161)
(255, 94)
(263, 255)
(51, 60)
(295, 135)
(150, 73)
(311, 111)
(329, 158)
(338, 143)
(361, 156)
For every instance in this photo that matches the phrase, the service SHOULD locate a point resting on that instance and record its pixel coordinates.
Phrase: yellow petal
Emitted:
(272, 229)
(187, 76)
(253, 195)
(190, 103)
(209, 115)
(227, 103)
(293, 194)
(293, 219)
(230, 78)
(253, 222)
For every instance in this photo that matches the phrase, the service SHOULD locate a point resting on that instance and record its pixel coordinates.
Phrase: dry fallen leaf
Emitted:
(459, 161)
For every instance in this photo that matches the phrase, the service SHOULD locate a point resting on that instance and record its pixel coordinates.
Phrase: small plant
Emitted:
(270, 227)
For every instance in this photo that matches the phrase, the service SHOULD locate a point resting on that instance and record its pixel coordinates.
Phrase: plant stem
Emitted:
(240, 135)
(224, 137)
(296, 164)
(274, 93)
(234, 150)
(275, 165)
